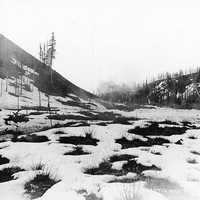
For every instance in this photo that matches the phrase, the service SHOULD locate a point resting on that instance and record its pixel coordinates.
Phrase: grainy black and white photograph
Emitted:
(99, 100)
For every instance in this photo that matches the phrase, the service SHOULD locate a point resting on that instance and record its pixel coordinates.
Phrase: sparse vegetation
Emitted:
(3, 160)
(105, 167)
(192, 137)
(6, 174)
(137, 142)
(155, 130)
(38, 166)
(63, 117)
(77, 151)
(195, 152)
(36, 187)
(16, 117)
(121, 157)
(79, 140)
(192, 161)
(32, 138)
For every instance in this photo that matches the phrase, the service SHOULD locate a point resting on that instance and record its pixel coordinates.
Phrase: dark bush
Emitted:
(39, 185)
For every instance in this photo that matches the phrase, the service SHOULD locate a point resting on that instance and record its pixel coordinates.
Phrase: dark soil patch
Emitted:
(16, 117)
(74, 98)
(59, 133)
(77, 152)
(37, 113)
(188, 124)
(122, 157)
(72, 124)
(10, 134)
(156, 153)
(32, 138)
(95, 116)
(103, 169)
(3, 160)
(125, 180)
(179, 142)
(6, 174)
(121, 120)
(79, 140)
(192, 137)
(39, 108)
(80, 124)
(75, 103)
(155, 130)
(192, 161)
(168, 122)
(39, 185)
(101, 116)
(131, 166)
(138, 168)
(138, 143)
(195, 153)
(101, 124)
(12, 94)
(2, 140)
(64, 117)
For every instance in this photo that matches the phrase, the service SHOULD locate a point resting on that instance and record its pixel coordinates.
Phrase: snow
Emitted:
(175, 161)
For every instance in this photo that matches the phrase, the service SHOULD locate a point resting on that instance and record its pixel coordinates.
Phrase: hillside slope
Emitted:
(15, 63)
(180, 90)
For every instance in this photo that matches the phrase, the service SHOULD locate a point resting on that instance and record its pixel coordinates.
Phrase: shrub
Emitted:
(36, 187)
(6, 174)
(3, 160)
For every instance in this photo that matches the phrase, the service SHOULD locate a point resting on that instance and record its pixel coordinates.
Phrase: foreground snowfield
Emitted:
(178, 161)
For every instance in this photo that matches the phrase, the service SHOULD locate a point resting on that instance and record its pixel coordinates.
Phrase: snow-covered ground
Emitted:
(92, 174)
(178, 176)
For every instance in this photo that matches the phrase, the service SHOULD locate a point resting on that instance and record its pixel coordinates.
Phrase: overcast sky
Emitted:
(100, 40)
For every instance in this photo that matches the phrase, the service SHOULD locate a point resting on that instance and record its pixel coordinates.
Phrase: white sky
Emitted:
(99, 40)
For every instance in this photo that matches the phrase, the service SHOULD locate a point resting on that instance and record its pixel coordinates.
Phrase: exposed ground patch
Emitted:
(195, 153)
(131, 166)
(192, 161)
(168, 122)
(122, 157)
(39, 185)
(154, 130)
(16, 117)
(32, 138)
(137, 142)
(6, 174)
(79, 140)
(3, 160)
(77, 152)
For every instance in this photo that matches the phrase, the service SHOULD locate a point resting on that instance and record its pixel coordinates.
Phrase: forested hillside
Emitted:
(171, 89)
